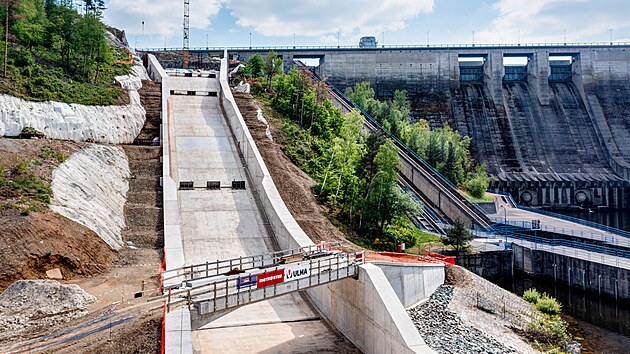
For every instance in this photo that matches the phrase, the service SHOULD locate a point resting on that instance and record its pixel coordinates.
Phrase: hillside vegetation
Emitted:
(57, 54)
(355, 172)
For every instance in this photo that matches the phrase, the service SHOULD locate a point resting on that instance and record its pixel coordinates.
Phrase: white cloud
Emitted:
(546, 20)
(321, 18)
(329, 39)
(161, 17)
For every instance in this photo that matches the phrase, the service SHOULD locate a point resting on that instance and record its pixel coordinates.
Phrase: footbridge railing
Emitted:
(594, 225)
(225, 284)
(560, 242)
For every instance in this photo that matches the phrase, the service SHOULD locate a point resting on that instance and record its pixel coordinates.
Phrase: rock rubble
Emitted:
(445, 332)
(39, 303)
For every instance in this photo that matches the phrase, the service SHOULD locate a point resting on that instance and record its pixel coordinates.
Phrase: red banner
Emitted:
(270, 278)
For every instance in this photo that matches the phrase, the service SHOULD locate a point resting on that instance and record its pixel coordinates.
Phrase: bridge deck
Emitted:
(559, 226)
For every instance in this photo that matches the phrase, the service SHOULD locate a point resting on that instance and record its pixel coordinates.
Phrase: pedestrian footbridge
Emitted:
(220, 285)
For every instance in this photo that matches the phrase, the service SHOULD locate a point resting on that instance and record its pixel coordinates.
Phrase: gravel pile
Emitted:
(445, 332)
(34, 303)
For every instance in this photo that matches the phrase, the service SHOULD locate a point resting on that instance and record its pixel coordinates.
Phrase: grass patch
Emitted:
(485, 199)
(23, 184)
(41, 82)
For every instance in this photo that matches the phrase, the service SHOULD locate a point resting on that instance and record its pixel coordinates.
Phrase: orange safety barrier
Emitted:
(126, 62)
(162, 269)
(443, 258)
(163, 340)
(428, 257)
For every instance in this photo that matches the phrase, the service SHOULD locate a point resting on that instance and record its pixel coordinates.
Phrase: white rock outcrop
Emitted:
(91, 188)
(100, 124)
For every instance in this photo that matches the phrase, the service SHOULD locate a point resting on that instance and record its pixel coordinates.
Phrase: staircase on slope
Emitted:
(143, 210)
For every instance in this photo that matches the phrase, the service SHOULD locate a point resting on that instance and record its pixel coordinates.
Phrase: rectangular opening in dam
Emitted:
(561, 67)
(471, 68)
(311, 61)
(515, 66)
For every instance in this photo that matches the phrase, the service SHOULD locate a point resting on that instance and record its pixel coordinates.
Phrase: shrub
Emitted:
(548, 305)
(478, 183)
(531, 295)
(398, 233)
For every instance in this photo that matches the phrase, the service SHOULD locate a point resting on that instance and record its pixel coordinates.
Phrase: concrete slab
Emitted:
(178, 337)
(287, 337)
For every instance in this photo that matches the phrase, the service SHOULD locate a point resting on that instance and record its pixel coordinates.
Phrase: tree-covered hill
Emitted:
(58, 54)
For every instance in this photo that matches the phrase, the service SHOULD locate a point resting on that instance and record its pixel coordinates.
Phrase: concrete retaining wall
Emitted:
(583, 274)
(369, 313)
(413, 282)
(495, 264)
(379, 321)
(177, 331)
(173, 248)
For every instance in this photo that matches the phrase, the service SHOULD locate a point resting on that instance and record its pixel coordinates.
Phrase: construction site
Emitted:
(174, 222)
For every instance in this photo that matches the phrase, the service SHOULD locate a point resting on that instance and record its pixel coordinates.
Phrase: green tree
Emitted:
(458, 236)
(273, 66)
(385, 202)
(340, 182)
(254, 65)
(29, 22)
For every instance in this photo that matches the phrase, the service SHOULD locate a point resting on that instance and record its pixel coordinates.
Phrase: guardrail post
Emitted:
(207, 271)
(214, 297)
(168, 301)
(319, 271)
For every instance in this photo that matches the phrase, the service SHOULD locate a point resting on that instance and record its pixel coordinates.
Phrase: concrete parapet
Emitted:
(178, 334)
(412, 282)
(287, 232)
(173, 248)
(369, 314)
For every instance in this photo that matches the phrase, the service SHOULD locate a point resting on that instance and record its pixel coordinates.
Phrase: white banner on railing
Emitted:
(298, 271)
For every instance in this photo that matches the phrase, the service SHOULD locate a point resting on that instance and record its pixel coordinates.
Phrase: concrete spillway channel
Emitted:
(226, 223)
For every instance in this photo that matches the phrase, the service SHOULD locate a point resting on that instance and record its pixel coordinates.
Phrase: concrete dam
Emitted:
(550, 123)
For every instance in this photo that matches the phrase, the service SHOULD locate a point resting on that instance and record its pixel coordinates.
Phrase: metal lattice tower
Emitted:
(186, 24)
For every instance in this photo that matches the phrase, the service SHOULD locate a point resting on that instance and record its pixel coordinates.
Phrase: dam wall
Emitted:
(548, 122)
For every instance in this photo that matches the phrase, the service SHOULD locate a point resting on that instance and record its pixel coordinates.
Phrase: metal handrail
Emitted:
(508, 195)
(527, 225)
(611, 251)
(395, 46)
(244, 263)
(578, 221)
(225, 292)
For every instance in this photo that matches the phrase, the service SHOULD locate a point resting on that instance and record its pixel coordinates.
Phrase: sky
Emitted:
(221, 23)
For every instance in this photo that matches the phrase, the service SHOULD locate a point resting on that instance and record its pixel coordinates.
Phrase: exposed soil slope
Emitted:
(34, 243)
(293, 184)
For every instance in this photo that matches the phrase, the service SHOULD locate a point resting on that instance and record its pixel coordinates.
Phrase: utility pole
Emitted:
(186, 32)
(6, 38)
(186, 24)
